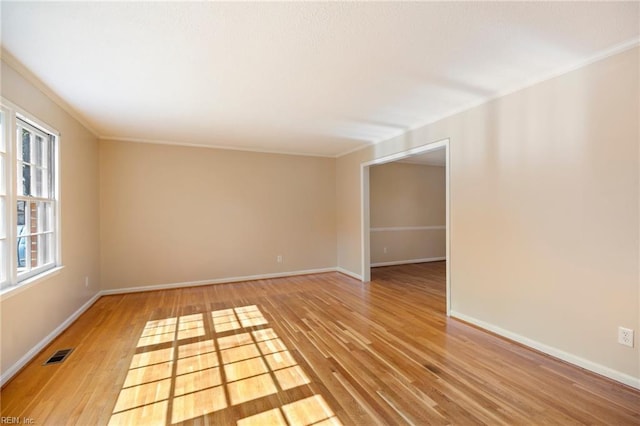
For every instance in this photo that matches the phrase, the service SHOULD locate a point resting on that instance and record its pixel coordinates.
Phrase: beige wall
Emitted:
(545, 201)
(31, 315)
(179, 214)
(544, 210)
(404, 196)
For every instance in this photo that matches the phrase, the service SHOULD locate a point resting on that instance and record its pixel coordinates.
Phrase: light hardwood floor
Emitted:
(319, 349)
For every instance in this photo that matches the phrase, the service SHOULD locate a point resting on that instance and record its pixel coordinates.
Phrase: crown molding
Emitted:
(220, 147)
(22, 70)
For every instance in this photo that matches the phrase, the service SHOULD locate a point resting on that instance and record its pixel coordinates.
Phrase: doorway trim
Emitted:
(365, 213)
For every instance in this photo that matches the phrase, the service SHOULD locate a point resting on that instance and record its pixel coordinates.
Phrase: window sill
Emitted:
(26, 284)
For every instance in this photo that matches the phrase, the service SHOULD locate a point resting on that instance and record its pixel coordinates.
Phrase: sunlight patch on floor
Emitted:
(193, 365)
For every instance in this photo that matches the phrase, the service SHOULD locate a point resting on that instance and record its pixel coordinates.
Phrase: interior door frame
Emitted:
(365, 214)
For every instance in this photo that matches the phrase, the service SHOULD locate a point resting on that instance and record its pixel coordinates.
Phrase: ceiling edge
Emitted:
(221, 147)
(22, 70)
(366, 145)
(14, 63)
(616, 49)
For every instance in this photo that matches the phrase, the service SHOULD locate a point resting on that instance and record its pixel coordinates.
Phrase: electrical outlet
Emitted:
(625, 336)
(279, 258)
(385, 249)
(86, 282)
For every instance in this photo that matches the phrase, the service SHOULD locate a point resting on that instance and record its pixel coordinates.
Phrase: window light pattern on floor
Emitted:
(193, 365)
(309, 411)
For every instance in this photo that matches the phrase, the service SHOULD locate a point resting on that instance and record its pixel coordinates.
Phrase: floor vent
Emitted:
(58, 357)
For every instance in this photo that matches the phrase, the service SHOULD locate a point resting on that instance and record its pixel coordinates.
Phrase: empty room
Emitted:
(310, 213)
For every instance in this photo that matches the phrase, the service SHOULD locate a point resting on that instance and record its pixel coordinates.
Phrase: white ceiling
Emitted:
(314, 78)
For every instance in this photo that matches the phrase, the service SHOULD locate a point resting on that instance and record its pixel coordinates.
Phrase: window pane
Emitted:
(3, 260)
(3, 217)
(51, 250)
(26, 146)
(32, 218)
(39, 177)
(45, 154)
(3, 177)
(41, 249)
(2, 141)
(46, 193)
(23, 245)
(49, 216)
(45, 217)
(49, 192)
(45, 249)
(33, 243)
(42, 220)
(21, 215)
(25, 188)
(38, 148)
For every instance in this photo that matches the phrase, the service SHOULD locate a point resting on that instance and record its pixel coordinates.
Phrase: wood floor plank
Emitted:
(316, 349)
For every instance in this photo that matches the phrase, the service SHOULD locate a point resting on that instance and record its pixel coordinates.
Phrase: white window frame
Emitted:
(5, 217)
(9, 263)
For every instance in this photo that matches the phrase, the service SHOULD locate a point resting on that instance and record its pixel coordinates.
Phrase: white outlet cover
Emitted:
(625, 336)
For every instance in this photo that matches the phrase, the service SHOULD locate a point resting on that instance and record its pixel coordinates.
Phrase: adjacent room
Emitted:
(306, 213)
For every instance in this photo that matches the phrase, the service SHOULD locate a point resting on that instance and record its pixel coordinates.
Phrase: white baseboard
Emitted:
(228, 280)
(26, 358)
(406, 262)
(549, 350)
(349, 273)
(554, 352)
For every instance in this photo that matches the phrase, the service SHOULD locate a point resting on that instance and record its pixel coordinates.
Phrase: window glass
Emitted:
(3, 203)
(37, 152)
(26, 146)
(21, 232)
(28, 207)
(24, 188)
(3, 218)
(3, 170)
(3, 256)
(3, 145)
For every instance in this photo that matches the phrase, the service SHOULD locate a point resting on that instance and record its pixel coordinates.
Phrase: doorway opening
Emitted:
(424, 151)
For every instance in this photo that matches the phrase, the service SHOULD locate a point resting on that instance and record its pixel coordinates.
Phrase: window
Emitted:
(3, 199)
(28, 199)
